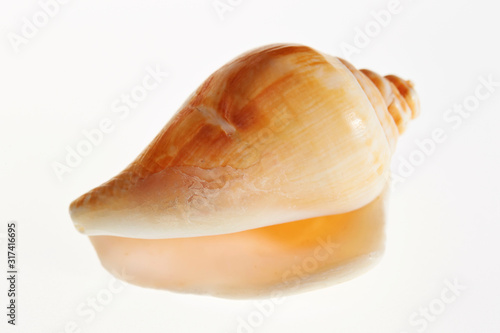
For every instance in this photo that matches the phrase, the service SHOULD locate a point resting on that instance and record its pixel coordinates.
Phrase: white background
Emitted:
(443, 220)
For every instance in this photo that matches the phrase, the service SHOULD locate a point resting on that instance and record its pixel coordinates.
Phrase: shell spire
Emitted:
(394, 100)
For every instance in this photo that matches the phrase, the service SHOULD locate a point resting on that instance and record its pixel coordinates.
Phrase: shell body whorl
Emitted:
(279, 134)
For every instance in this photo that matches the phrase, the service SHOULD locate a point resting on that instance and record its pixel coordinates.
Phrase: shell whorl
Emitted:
(399, 96)
(395, 100)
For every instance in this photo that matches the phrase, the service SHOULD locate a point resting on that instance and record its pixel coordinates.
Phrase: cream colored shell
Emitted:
(279, 134)
(276, 153)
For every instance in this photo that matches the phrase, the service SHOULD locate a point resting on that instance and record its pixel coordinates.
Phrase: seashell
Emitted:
(279, 152)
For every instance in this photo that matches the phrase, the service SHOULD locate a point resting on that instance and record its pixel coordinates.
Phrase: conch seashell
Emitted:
(270, 178)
